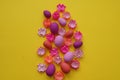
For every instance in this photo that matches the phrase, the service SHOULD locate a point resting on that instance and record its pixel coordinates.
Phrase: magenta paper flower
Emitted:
(61, 7)
(78, 35)
(56, 15)
(50, 37)
(54, 51)
(64, 49)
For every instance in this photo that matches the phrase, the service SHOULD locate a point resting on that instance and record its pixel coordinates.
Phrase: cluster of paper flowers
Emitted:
(60, 36)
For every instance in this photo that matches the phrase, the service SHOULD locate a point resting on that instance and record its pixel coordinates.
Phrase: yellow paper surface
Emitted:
(98, 20)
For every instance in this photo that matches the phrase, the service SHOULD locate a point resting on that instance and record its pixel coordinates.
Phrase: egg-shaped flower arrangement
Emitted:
(61, 36)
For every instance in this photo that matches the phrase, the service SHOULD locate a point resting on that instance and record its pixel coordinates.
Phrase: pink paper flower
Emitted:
(41, 67)
(66, 15)
(50, 37)
(62, 31)
(57, 59)
(78, 53)
(42, 32)
(75, 64)
(61, 7)
(41, 51)
(72, 24)
(78, 35)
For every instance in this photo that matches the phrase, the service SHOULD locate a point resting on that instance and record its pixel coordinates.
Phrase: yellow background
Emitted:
(98, 20)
